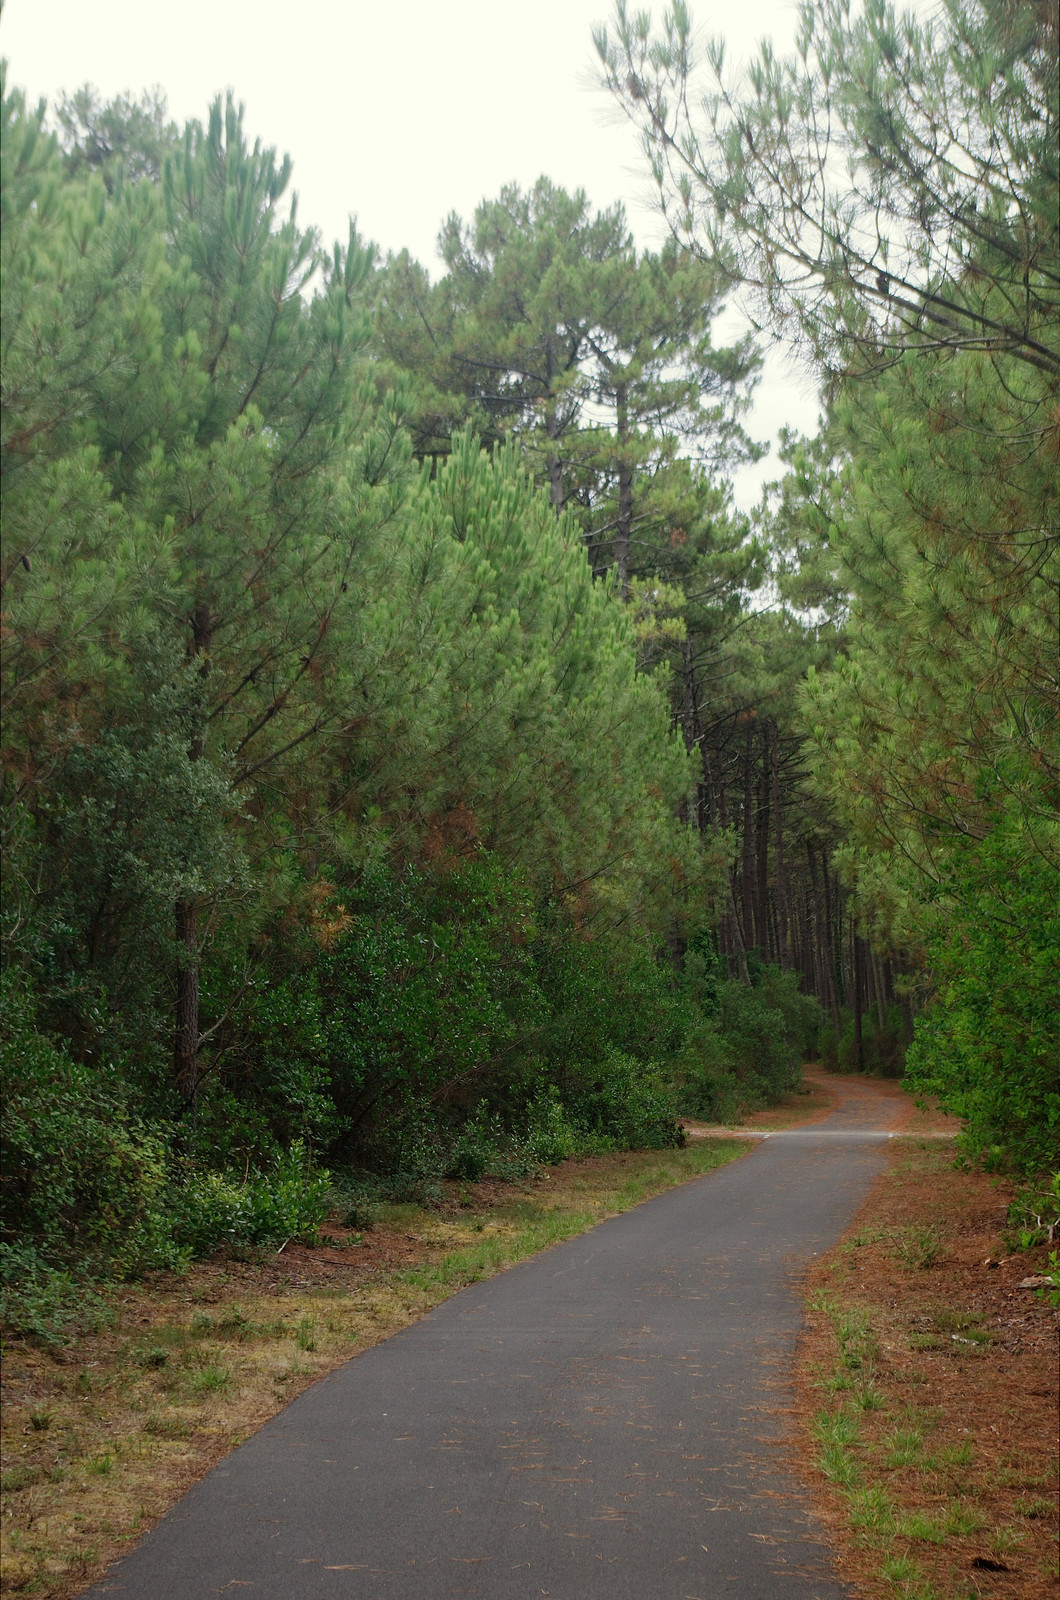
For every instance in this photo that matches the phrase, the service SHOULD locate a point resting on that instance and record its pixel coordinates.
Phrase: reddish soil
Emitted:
(965, 1357)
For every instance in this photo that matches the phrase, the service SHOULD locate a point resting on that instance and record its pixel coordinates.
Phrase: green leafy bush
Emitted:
(989, 1044)
(288, 1200)
(44, 1301)
(751, 1042)
(621, 1103)
(84, 1181)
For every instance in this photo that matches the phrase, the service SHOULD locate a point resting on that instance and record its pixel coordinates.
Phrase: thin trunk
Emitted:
(739, 948)
(879, 978)
(624, 525)
(859, 1043)
(786, 931)
(186, 911)
(762, 851)
(747, 876)
(186, 1032)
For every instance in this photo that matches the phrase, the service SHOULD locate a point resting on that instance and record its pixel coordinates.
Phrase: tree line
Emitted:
(414, 764)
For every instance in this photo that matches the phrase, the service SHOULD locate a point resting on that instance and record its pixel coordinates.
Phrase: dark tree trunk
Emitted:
(748, 874)
(859, 1043)
(786, 932)
(186, 1031)
(624, 526)
(762, 851)
(186, 911)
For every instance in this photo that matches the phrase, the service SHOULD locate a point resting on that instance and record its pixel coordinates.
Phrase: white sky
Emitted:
(397, 113)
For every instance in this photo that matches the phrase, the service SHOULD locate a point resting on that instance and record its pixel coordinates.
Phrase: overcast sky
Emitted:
(396, 112)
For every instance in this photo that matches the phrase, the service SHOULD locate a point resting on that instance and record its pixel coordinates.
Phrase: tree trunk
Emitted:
(786, 931)
(186, 1031)
(762, 852)
(859, 1043)
(624, 525)
(186, 911)
(748, 873)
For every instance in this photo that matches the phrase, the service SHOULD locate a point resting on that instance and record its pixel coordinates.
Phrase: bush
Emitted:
(286, 1201)
(84, 1181)
(989, 1044)
(621, 1104)
(749, 1046)
(42, 1300)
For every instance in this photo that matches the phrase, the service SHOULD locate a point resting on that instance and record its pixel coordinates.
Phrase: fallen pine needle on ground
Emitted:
(927, 1391)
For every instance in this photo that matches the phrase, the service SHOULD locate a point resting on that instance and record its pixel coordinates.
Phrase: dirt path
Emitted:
(606, 1419)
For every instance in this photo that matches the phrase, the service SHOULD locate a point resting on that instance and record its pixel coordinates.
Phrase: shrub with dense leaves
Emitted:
(83, 1178)
(989, 1045)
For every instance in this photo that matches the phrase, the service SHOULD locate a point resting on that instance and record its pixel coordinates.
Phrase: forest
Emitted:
(415, 766)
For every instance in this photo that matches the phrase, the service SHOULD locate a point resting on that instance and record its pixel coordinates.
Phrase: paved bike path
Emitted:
(602, 1422)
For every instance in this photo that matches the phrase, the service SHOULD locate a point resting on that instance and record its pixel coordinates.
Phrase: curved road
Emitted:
(602, 1422)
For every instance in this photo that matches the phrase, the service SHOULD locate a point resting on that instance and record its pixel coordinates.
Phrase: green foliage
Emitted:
(42, 1301)
(287, 1200)
(621, 1104)
(749, 1047)
(988, 1046)
(84, 1180)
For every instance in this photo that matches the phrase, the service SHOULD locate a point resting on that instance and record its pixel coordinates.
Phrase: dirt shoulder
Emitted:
(927, 1389)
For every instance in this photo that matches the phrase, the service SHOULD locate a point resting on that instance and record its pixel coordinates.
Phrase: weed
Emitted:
(1004, 1540)
(839, 1466)
(166, 1428)
(303, 1335)
(960, 1521)
(212, 1379)
(102, 1466)
(871, 1508)
(904, 1447)
(917, 1248)
(40, 1421)
(19, 1477)
(1033, 1508)
(836, 1427)
(918, 1525)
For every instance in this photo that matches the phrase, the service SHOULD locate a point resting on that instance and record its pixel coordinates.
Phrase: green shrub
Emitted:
(286, 1201)
(989, 1044)
(42, 1300)
(751, 1041)
(84, 1181)
(621, 1104)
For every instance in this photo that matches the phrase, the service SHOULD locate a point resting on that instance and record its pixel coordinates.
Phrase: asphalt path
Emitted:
(602, 1422)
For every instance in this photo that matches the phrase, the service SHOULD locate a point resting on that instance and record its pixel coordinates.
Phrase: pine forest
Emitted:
(415, 765)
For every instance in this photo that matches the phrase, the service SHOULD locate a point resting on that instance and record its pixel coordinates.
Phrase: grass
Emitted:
(101, 1437)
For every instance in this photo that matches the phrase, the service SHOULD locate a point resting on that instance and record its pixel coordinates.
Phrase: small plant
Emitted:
(40, 1421)
(303, 1335)
(918, 1248)
(1004, 1540)
(904, 1447)
(211, 1379)
(918, 1525)
(1034, 1509)
(1034, 1215)
(871, 1508)
(101, 1466)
